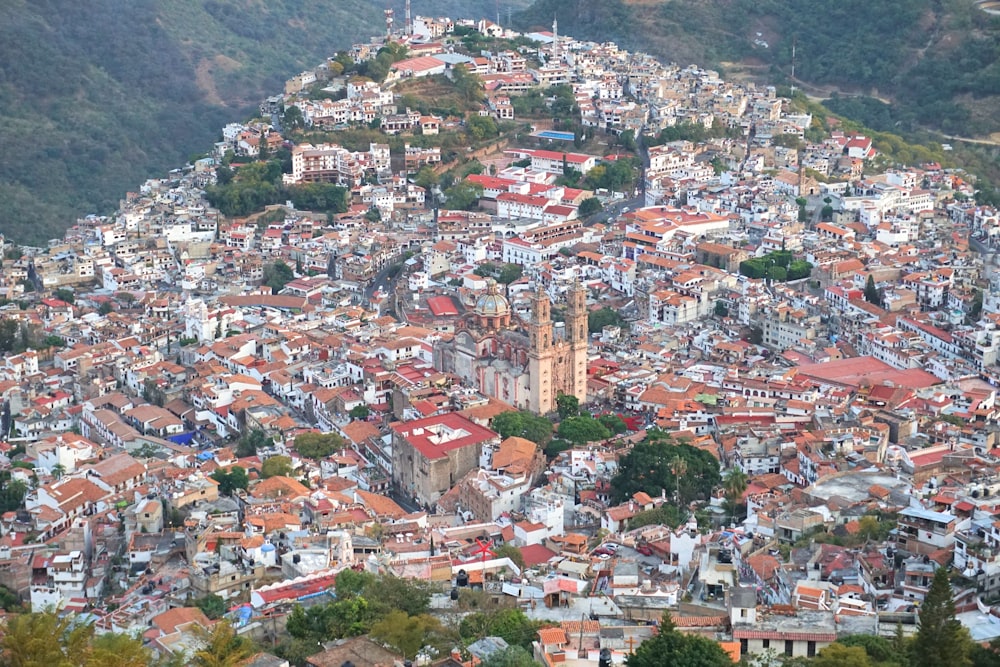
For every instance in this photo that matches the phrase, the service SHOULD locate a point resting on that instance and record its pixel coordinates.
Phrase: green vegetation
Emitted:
(582, 429)
(672, 647)
(44, 638)
(598, 319)
(229, 482)
(657, 464)
(318, 445)
(942, 640)
(258, 184)
(213, 606)
(97, 96)
(778, 265)
(522, 424)
(664, 515)
(276, 466)
(939, 61)
(277, 275)
(253, 441)
(567, 405)
(512, 625)
(393, 610)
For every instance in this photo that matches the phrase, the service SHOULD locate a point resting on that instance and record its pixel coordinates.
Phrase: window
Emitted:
(765, 643)
(789, 644)
(811, 649)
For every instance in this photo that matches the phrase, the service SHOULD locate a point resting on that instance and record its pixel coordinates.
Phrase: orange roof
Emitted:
(549, 636)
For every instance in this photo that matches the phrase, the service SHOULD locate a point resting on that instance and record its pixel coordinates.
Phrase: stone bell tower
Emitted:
(541, 354)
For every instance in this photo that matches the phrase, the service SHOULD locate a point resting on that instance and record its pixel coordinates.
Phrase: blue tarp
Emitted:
(182, 438)
(204, 456)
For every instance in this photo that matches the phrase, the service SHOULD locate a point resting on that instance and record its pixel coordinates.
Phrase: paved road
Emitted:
(381, 281)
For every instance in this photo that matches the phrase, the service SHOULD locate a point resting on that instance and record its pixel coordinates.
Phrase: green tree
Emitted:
(598, 319)
(252, 442)
(941, 639)
(463, 195)
(589, 207)
(512, 656)
(212, 606)
(880, 650)
(64, 294)
(665, 515)
(230, 481)
(508, 273)
(297, 651)
(871, 291)
(510, 624)
(670, 647)
(426, 178)
(482, 127)
(276, 466)
(613, 423)
(277, 275)
(407, 634)
(568, 405)
(582, 429)
(42, 639)
(651, 466)
(222, 647)
(318, 445)
(838, 655)
(735, 485)
(522, 424)
(512, 552)
(359, 412)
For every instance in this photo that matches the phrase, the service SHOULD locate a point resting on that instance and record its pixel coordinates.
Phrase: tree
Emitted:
(522, 424)
(463, 195)
(582, 429)
(213, 606)
(43, 638)
(276, 466)
(510, 624)
(318, 445)
(426, 178)
(230, 481)
(509, 273)
(222, 647)
(598, 319)
(568, 405)
(58, 470)
(838, 655)
(105, 308)
(613, 423)
(879, 649)
(651, 466)
(512, 656)
(359, 412)
(589, 207)
(252, 442)
(373, 214)
(871, 292)
(277, 275)
(735, 484)
(670, 647)
(941, 639)
(482, 127)
(64, 294)
(512, 552)
(407, 634)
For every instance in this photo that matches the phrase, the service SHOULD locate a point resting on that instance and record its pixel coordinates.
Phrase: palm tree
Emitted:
(734, 484)
(679, 467)
(222, 647)
(58, 470)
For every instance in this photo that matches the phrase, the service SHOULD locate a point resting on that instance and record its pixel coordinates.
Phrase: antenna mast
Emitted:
(793, 65)
(409, 20)
(388, 23)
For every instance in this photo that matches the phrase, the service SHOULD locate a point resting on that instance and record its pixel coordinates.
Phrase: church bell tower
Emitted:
(577, 337)
(541, 400)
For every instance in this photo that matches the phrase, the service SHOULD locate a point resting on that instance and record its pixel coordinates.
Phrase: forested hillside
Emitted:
(96, 96)
(937, 61)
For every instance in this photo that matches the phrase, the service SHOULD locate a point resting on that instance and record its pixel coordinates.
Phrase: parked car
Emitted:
(645, 549)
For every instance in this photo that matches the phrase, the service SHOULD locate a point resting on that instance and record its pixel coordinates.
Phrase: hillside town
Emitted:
(752, 382)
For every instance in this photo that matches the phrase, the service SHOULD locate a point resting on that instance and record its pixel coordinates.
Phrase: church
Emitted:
(524, 364)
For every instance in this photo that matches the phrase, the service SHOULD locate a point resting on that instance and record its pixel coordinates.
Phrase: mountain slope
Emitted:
(937, 60)
(96, 96)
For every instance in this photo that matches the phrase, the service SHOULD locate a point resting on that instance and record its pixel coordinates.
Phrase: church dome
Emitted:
(492, 303)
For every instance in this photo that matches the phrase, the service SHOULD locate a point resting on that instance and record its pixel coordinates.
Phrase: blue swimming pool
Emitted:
(552, 134)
